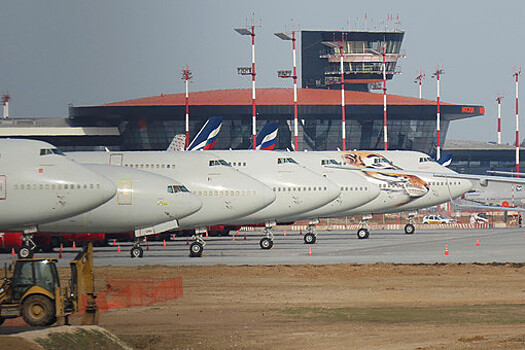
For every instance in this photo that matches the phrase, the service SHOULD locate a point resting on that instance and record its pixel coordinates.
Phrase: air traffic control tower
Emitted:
(362, 58)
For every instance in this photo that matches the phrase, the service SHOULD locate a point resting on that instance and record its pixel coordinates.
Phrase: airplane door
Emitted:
(2, 187)
(116, 159)
(124, 192)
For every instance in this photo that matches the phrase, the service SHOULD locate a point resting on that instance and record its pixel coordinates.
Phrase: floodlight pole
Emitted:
(186, 76)
(385, 128)
(343, 119)
(439, 71)
(418, 80)
(517, 72)
(5, 102)
(294, 76)
(498, 99)
(244, 31)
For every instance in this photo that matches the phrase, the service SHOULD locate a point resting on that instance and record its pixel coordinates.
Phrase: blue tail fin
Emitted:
(267, 137)
(206, 138)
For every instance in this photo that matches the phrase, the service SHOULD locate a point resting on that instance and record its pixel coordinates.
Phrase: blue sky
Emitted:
(91, 52)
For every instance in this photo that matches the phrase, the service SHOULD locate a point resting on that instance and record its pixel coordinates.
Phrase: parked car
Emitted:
(437, 219)
(479, 218)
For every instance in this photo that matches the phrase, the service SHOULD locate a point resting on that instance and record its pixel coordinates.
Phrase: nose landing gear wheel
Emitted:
(362, 233)
(266, 243)
(25, 252)
(196, 249)
(309, 238)
(137, 252)
(409, 229)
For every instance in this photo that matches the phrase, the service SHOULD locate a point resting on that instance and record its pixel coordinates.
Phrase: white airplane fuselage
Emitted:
(38, 184)
(297, 189)
(226, 193)
(143, 201)
(355, 189)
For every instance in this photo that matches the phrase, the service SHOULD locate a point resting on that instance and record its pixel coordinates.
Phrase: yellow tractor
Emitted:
(34, 291)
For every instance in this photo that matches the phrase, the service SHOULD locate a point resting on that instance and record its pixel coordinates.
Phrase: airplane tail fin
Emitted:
(207, 136)
(445, 159)
(178, 143)
(267, 137)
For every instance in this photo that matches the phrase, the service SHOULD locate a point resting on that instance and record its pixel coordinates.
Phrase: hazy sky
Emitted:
(91, 52)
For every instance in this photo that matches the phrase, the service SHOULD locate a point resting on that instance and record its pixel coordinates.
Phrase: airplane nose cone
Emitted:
(107, 188)
(183, 204)
(192, 204)
(267, 196)
(332, 191)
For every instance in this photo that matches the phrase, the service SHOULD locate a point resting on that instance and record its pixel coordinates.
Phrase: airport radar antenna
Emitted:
(187, 75)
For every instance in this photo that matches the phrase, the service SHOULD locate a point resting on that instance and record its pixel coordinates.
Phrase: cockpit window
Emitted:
(425, 159)
(286, 160)
(177, 188)
(219, 162)
(378, 161)
(47, 151)
(329, 162)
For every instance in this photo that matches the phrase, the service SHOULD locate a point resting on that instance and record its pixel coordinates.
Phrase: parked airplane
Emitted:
(297, 189)
(145, 203)
(38, 184)
(355, 189)
(265, 140)
(409, 180)
(226, 193)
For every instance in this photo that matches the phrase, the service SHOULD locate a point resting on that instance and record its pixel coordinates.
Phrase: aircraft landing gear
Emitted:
(364, 232)
(136, 250)
(267, 242)
(311, 236)
(27, 250)
(410, 228)
(197, 247)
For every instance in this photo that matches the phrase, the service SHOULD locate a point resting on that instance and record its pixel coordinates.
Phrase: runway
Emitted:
(332, 247)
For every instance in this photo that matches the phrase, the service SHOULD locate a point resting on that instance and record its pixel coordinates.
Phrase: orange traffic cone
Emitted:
(310, 251)
(187, 242)
(164, 243)
(446, 249)
(245, 236)
(206, 234)
(114, 242)
(146, 241)
(118, 248)
(233, 238)
(60, 255)
(237, 232)
(74, 245)
(284, 233)
(61, 247)
(477, 242)
(13, 251)
(301, 232)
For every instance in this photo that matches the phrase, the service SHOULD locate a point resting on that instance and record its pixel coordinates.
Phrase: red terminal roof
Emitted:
(274, 96)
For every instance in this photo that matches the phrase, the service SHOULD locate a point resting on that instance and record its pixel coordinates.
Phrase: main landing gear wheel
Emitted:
(266, 243)
(196, 249)
(137, 252)
(309, 238)
(409, 229)
(362, 233)
(25, 252)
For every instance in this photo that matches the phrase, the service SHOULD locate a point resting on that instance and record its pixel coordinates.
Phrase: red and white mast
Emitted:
(244, 71)
(285, 74)
(343, 118)
(498, 99)
(418, 80)
(517, 72)
(439, 71)
(5, 102)
(385, 128)
(186, 76)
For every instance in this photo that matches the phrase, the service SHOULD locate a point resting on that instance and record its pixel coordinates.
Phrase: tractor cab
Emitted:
(33, 273)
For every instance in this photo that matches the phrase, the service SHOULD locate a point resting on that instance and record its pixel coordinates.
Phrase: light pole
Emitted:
(284, 74)
(250, 71)
(418, 80)
(385, 129)
(498, 99)
(439, 71)
(516, 74)
(187, 76)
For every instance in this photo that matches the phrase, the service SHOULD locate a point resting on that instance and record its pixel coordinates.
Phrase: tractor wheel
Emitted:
(38, 310)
